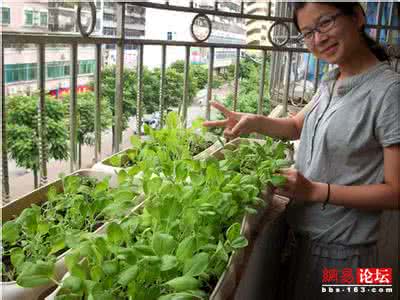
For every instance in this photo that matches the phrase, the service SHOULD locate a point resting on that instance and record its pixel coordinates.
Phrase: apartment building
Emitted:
(21, 68)
(257, 30)
(176, 26)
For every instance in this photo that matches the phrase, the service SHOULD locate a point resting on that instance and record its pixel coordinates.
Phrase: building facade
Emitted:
(21, 67)
(257, 30)
(176, 26)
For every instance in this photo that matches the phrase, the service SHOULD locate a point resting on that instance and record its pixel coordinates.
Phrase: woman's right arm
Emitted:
(287, 128)
(237, 124)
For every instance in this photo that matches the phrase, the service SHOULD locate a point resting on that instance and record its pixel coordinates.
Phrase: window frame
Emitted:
(41, 13)
(9, 15)
(26, 17)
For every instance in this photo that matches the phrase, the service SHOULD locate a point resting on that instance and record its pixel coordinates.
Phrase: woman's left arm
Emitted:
(372, 196)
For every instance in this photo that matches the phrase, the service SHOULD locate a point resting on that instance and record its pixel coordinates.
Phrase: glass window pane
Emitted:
(5, 15)
(43, 19)
(36, 18)
(28, 17)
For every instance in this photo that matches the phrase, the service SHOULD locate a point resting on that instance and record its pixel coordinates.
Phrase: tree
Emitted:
(23, 136)
(86, 107)
(199, 75)
(247, 101)
(108, 76)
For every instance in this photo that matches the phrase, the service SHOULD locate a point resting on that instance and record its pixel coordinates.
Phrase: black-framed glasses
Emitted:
(325, 24)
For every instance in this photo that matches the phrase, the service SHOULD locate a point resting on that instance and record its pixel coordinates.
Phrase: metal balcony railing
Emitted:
(283, 55)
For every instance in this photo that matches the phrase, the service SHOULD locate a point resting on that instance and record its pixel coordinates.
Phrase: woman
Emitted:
(349, 154)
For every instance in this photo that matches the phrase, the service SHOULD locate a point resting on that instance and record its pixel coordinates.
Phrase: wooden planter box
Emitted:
(11, 290)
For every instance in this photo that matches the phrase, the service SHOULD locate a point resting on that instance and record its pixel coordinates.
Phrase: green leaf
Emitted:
(197, 265)
(144, 249)
(122, 175)
(233, 232)
(278, 180)
(10, 231)
(221, 253)
(128, 275)
(124, 195)
(17, 257)
(115, 233)
(57, 246)
(96, 273)
(239, 242)
(72, 283)
(78, 271)
(115, 160)
(168, 262)
(71, 259)
(250, 210)
(283, 163)
(183, 283)
(36, 274)
(163, 244)
(72, 239)
(186, 248)
(110, 267)
(43, 228)
(136, 142)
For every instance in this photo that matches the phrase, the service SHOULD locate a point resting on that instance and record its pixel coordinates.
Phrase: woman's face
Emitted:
(341, 38)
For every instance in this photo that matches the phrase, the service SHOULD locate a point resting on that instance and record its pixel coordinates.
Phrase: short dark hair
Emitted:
(348, 9)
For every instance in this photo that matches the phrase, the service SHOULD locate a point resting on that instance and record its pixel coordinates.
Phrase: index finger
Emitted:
(220, 123)
(221, 108)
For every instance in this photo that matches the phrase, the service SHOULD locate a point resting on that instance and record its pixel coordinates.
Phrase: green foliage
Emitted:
(200, 75)
(247, 102)
(173, 91)
(86, 106)
(175, 140)
(108, 76)
(43, 233)
(22, 130)
(178, 244)
(249, 74)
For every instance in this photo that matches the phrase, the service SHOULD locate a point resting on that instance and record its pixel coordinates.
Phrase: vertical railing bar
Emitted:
(139, 95)
(281, 56)
(305, 74)
(119, 79)
(272, 76)
(42, 116)
(191, 4)
(162, 83)
(262, 83)
(296, 65)
(285, 98)
(236, 87)
(216, 5)
(269, 8)
(390, 21)
(379, 21)
(97, 113)
(73, 108)
(4, 159)
(241, 7)
(210, 82)
(316, 75)
(185, 86)
(277, 58)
